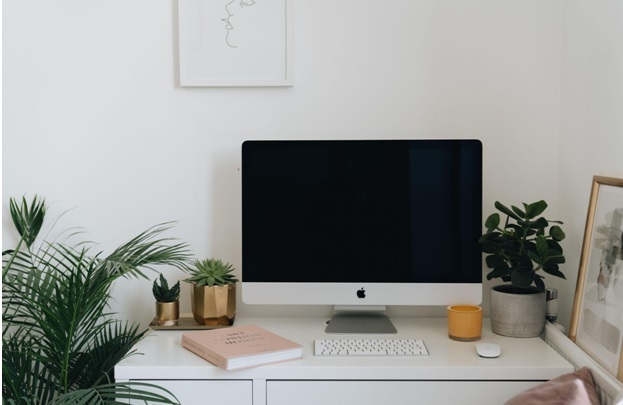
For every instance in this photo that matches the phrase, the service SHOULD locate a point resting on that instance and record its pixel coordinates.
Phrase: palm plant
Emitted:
(60, 342)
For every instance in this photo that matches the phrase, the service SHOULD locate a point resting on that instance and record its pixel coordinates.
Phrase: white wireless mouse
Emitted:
(489, 350)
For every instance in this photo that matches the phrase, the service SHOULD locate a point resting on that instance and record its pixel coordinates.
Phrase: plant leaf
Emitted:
(501, 207)
(522, 277)
(28, 219)
(117, 393)
(540, 223)
(534, 257)
(541, 246)
(518, 211)
(557, 233)
(492, 222)
(538, 281)
(494, 261)
(556, 258)
(553, 270)
(501, 271)
(535, 209)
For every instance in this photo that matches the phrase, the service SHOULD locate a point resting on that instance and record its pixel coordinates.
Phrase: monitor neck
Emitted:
(360, 319)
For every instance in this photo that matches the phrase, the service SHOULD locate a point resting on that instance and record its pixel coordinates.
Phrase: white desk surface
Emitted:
(521, 359)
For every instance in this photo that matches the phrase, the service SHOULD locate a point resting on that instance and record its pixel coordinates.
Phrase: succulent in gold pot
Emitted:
(167, 302)
(213, 292)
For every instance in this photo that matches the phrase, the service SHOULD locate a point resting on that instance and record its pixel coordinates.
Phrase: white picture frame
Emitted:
(225, 43)
(597, 320)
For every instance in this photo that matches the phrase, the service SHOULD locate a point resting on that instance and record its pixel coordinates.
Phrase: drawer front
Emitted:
(393, 392)
(221, 392)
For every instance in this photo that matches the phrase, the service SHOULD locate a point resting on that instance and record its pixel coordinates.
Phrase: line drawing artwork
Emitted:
(235, 43)
(229, 27)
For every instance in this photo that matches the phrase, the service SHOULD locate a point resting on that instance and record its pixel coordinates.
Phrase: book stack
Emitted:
(241, 347)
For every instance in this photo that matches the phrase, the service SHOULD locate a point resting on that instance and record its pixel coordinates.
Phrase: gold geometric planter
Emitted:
(214, 306)
(167, 313)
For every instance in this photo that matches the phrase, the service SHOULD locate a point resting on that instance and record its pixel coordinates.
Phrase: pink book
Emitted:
(241, 346)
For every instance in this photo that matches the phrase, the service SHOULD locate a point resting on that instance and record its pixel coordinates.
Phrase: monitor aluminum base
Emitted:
(356, 319)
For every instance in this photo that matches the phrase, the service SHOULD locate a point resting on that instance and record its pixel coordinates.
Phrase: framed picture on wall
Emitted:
(597, 317)
(235, 42)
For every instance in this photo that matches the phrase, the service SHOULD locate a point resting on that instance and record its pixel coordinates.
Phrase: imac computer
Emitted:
(361, 224)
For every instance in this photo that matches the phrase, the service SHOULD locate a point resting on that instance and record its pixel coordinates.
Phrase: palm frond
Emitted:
(24, 377)
(28, 219)
(113, 343)
(59, 342)
(118, 393)
(146, 250)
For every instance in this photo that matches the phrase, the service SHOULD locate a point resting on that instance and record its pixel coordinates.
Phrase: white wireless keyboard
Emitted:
(370, 347)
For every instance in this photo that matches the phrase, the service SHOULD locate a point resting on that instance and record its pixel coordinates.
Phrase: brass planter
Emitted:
(214, 306)
(167, 313)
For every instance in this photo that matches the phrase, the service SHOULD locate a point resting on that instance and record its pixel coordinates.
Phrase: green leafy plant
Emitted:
(210, 272)
(60, 342)
(520, 247)
(162, 292)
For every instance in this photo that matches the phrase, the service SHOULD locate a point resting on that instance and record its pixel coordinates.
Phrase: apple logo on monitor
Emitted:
(361, 293)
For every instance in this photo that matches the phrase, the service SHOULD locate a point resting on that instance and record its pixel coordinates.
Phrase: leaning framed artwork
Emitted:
(597, 318)
(235, 43)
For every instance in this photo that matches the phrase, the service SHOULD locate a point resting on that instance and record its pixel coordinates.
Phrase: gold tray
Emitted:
(184, 323)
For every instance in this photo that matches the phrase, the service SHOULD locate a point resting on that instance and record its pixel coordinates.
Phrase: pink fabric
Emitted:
(575, 388)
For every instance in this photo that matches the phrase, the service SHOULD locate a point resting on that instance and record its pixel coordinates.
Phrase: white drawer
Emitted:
(221, 392)
(393, 392)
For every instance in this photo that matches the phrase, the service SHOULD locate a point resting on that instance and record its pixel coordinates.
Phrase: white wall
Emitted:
(591, 141)
(93, 117)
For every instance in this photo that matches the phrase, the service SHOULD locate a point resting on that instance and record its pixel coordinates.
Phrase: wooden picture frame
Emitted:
(597, 317)
(235, 43)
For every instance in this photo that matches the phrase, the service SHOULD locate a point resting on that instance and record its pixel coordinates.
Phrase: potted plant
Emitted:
(213, 292)
(516, 251)
(167, 302)
(60, 342)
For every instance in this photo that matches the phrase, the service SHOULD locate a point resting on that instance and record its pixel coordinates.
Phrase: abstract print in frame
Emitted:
(597, 318)
(235, 42)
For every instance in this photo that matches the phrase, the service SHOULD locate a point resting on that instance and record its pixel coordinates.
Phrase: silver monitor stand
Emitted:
(358, 319)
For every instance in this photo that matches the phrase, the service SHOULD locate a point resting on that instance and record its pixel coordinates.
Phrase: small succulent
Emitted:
(162, 292)
(211, 272)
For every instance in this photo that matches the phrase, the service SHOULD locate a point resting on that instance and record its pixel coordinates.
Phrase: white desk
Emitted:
(453, 373)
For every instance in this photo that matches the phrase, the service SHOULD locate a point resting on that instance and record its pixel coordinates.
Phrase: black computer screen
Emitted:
(380, 211)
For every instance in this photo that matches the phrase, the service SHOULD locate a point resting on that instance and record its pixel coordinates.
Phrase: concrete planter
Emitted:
(517, 312)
